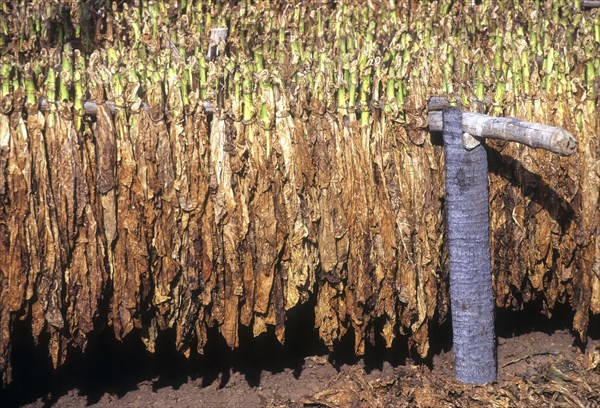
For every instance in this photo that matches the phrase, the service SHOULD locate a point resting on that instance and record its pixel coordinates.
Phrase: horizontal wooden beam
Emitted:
(554, 139)
(550, 138)
(590, 3)
(91, 107)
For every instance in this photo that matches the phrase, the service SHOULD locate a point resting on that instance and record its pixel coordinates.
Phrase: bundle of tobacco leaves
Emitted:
(126, 204)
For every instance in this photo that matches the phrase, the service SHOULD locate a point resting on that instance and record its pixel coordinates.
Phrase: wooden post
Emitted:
(467, 215)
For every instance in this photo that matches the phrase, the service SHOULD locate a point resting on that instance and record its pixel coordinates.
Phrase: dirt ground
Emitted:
(539, 368)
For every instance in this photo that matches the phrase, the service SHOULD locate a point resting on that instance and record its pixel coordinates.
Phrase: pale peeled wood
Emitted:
(590, 3)
(551, 138)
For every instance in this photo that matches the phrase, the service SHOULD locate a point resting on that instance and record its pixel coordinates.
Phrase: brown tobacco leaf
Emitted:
(131, 246)
(269, 230)
(262, 209)
(5, 141)
(106, 151)
(13, 258)
(333, 237)
(419, 280)
(227, 215)
(166, 236)
(49, 281)
(106, 173)
(192, 186)
(208, 276)
(385, 240)
(587, 277)
(299, 261)
(85, 275)
(12, 189)
(357, 193)
(66, 173)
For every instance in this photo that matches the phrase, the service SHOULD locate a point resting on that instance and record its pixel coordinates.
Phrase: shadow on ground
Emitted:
(110, 366)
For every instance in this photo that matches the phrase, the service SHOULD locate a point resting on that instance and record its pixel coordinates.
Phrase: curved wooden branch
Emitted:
(554, 139)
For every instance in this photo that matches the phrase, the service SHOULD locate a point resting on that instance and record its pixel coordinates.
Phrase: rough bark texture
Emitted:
(467, 228)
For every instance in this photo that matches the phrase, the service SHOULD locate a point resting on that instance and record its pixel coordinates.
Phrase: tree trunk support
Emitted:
(467, 216)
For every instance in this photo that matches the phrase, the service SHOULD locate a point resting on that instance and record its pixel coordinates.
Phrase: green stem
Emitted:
(202, 67)
(248, 111)
(365, 86)
(30, 88)
(66, 75)
(264, 116)
(5, 70)
(352, 86)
